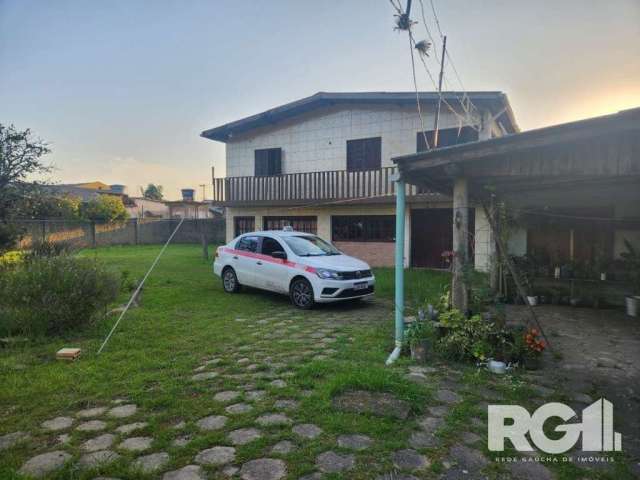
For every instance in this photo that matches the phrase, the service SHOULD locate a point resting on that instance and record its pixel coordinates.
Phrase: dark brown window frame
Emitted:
(364, 154)
(267, 162)
(236, 227)
(446, 137)
(308, 224)
(375, 228)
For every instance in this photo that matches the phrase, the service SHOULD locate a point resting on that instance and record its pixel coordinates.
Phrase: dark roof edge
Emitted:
(628, 115)
(497, 102)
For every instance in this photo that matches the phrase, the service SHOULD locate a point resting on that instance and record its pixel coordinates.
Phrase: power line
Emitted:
(415, 85)
(448, 56)
(426, 26)
(466, 120)
(412, 45)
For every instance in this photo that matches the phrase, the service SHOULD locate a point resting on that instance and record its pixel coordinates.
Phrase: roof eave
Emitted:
(498, 102)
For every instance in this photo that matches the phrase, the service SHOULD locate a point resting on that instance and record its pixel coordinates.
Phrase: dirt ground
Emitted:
(597, 353)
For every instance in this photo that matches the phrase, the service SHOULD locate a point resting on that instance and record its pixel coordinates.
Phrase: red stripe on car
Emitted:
(270, 259)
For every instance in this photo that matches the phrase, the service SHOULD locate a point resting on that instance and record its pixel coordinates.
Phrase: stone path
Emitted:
(256, 424)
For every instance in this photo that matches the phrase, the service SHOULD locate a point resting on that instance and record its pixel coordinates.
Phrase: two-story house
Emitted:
(322, 164)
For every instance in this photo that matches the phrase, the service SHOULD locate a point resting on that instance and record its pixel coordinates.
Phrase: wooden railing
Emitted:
(308, 186)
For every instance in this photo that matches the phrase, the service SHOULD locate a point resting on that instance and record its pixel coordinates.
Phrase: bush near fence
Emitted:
(83, 234)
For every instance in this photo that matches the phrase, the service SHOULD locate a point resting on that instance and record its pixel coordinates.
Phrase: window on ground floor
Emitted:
(299, 224)
(363, 228)
(243, 225)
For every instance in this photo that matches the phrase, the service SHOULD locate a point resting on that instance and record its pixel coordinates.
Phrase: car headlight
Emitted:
(328, 274)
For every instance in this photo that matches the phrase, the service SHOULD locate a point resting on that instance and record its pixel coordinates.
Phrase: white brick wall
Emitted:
(318, 141)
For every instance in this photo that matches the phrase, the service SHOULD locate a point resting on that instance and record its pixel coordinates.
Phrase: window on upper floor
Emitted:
(446, 137)
(268, 161)
(364, 154)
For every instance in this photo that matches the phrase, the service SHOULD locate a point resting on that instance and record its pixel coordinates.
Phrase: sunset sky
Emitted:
(122, 89)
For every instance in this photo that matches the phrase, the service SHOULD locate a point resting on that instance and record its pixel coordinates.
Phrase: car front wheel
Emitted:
(230, 281)
(302, 294)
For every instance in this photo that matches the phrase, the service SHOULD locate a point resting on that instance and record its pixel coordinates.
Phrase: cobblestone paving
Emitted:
(260, 427)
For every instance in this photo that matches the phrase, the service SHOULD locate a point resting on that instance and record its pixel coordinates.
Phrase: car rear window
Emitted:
(248, 243)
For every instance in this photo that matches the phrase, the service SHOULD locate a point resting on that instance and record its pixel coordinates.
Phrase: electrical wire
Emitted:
(450, 60)
(465, 120)
(412, 44)
(415, 85)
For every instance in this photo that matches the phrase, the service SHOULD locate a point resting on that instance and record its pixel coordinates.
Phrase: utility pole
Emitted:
(437, 116)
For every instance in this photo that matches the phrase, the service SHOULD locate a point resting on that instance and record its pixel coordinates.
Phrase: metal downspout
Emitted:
(399, 272)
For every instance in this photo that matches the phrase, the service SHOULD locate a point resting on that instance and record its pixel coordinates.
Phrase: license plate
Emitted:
(360, 285)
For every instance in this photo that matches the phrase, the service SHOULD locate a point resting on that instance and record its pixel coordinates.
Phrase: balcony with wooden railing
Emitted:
(360, 186)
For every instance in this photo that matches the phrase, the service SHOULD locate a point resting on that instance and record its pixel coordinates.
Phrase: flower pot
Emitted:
(419, 351)
(497, 367)
(632, 304)
(532, 362)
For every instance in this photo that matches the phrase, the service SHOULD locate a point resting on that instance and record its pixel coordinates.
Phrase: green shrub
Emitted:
(48, 249)
(50, 295)
(466, 338)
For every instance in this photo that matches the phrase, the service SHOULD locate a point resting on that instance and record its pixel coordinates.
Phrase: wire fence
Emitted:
(82, 234)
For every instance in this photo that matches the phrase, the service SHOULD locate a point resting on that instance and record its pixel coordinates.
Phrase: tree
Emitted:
(20, 157)
(63, 206)
(153, 192)
(105, 208)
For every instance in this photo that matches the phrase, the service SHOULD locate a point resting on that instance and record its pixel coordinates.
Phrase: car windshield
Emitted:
(310, 246)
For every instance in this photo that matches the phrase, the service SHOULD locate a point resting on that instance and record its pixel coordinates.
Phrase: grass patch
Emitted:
(420, 284)
(186, 319)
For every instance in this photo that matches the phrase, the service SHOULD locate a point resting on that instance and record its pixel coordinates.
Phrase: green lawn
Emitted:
(421, 286)
(186, 319)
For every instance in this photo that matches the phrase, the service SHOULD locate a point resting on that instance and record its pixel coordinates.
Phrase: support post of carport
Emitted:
(399, 270)
(459, 293)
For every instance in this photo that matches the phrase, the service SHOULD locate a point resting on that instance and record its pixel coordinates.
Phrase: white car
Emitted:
(301, 265)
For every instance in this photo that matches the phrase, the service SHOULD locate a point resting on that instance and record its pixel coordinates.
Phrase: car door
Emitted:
(243, 259)
(272, 273)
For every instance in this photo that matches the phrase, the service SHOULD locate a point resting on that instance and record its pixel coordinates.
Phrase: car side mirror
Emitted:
(279, 254)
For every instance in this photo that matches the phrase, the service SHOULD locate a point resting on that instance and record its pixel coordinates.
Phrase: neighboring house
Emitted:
(188, 207)
(87, 191)
(323, 165)
(146, 208)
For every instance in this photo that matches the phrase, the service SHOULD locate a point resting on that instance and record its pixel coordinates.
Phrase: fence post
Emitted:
(43, 224)
(93, 234)
(135, 231)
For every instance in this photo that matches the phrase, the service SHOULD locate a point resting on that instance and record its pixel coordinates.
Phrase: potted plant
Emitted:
(601, 263)
(533, 348)
(418, 336)
(632, 264)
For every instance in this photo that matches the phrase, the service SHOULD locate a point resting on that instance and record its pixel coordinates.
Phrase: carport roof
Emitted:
(612, 141)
